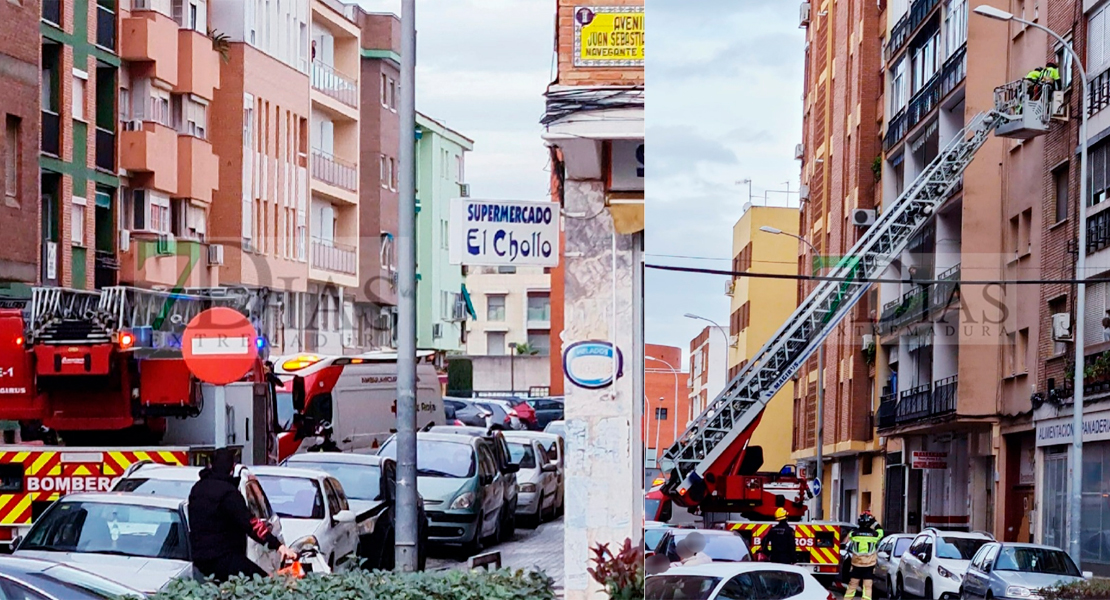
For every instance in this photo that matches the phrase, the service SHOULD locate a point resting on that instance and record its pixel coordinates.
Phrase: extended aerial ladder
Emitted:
(707, 464)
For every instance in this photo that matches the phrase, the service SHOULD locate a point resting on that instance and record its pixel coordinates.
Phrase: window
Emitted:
(539, 306)
(385, 92)
(387, 251)
(540, 341)
(1021, 365)
(459, 169)
(506, 270)
(660, 414)
(898, 86)
(79, 84)
(1015, 234)
(1098, 42)
(776, 585)
(1098, 181)
(77, 221)
(187, 220)
(1060, 183)
(13, 153)
(495, 307)
(392, 179)
(393, 95)
(191, 116)
(1063, 59)
(151, 103)
(444, 234)
(925, 61)
(955, 26)
(384, 170)
(740, 587)
(150, 211)
(495, 343)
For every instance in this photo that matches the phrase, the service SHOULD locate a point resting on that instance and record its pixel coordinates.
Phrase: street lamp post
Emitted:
(1075, 466)
(723, 331)
(512, 368)
(819, 507)
(658, 426)
(674, 372)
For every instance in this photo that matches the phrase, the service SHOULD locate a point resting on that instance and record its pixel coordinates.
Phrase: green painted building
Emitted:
(440, 286)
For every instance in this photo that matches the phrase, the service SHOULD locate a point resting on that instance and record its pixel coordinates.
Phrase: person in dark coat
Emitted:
(779, 544)
(220, 524)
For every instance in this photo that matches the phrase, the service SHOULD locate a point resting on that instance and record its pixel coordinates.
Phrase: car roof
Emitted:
(1028, 545)
(166, 472)
(441, 436)
(294, 472)
(17, 566)
(684, 532)
(124, 498)
(346, 458)
(725, 570)
(959, 534)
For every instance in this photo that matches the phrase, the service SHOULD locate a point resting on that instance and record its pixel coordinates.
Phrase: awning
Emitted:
(469, 303)
(628, 212)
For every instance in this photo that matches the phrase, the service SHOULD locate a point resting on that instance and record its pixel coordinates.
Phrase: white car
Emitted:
(312, 504)
(176, 482)
(554, 446)
(735, 581)
(537, 480)
(934, 565)
(891, 549)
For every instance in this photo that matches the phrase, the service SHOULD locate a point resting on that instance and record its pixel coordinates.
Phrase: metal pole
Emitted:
(407, 533)
(221, 416)
(658, 426)
(818, 506)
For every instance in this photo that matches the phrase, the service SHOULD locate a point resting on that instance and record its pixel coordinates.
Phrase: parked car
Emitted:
(504, 413)
(891, 549)
(557, 428)
(505, 465)
(142, 540)
(313, 506)
(934, 565)
(33, 579)
(653, 533)
(720, 545)
(463, 490)
(1010, 570)
(537, 480)
(733, 581)
(557, 451)
(547, 410)
(370, 482)
(176, 482)
(467, 412)
(526, 413)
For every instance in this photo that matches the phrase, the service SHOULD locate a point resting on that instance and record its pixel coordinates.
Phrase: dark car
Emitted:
(370, 482)
(469, 412)
(721, 546)
(547, 410)
(505, 465)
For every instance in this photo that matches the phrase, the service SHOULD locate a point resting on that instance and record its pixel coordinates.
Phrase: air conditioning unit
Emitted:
(863, 217)
(124, 241)
(1061, 327)
(867, 340)
(803, 192)
(804, 14)
(166, 245)
(464, 190)
(1059, 106)
(437, 330)
(215, 255)
(133, 125)
(730, 287)
(799, 151)
(734, 341)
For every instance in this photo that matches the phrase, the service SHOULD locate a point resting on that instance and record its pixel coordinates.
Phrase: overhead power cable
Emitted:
(725, 273)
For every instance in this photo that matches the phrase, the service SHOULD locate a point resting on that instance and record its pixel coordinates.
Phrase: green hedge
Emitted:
(377, 585)
(1096, 589)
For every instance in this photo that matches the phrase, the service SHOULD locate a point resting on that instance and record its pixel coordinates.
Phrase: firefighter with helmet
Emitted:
(779, 544)
(864, 546)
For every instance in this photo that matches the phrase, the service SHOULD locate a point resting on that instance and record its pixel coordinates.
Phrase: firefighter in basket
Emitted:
(864, 547)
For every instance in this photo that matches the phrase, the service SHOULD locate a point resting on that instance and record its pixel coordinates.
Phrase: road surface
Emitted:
(540, 548)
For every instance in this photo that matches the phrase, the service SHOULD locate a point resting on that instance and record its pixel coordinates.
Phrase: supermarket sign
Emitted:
(496, 233)
(929, 460)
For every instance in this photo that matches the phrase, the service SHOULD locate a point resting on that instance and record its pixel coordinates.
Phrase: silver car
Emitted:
(138, 539)
(553, 444)
(537, 479)
(1011, 570)
(891, 549)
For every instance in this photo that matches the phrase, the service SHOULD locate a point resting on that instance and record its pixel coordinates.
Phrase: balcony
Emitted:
(52, 11)
(327, 80)
(187, 266)
(1098, 95)
(51, 133)
(906, 26)
(895, 130)
(106, 150)
(106, 269)
(1098, 228)
(888, 406)
(334, 171)
(151, 37)
(915, 404)
(910, 308)
(198, 170)
(943, 293)
(336, 258)
(918, 404)
(105, 28)
(149, 147)
(198, 65)
(953, 72)
(944, 396)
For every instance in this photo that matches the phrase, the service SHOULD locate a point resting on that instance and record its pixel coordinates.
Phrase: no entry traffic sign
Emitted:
(219, 346)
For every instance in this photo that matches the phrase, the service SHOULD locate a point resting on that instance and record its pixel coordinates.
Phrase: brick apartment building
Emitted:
(708, 368)
(666, 398)
(19, 209)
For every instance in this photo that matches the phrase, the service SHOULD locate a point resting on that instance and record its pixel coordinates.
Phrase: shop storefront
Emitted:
(947, 481)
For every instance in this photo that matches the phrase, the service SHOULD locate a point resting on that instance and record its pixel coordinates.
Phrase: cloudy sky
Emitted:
(724, 104)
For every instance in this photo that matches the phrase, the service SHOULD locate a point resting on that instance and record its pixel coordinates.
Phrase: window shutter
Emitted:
(1096, 32)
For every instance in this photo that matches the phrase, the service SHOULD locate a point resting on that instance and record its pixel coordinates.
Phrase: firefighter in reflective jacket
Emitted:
(1042, 79)
(864, 545)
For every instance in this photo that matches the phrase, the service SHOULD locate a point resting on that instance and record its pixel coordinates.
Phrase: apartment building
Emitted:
(78, 189)
(513, 306)
(441, 310)
(666, 401)
(19, 209)
(771, 302)
(708, 368)
(379, 152)
(169, 172)
(839, 150)
(954, 360)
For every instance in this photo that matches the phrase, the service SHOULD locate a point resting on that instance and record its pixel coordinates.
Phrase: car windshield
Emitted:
(293, 497)
(680, 587)
(653, 536)
(1036, 560)
(958, 548)
(901, 545)
(435, 458)
(725, 547)
(523, 454)
(651, 508)
(156, 487)
(87, 582)
(556, 428)
(360, 482)
(103, 528)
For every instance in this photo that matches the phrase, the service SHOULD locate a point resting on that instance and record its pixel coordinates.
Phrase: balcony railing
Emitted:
(106, 269)
(914, 404)
(539, 315)
(888, 406)
(954, 71)
(105, 28)
(1099, 95)
(334, 171)
(942, 293)
(924, 101)
(333, 257)
(944, 396)
(51, 133)
(327, 80)
(106, 150)
(907, 25)
(895, 130)
(52, 11)
(908, 309)
(1098, 231)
